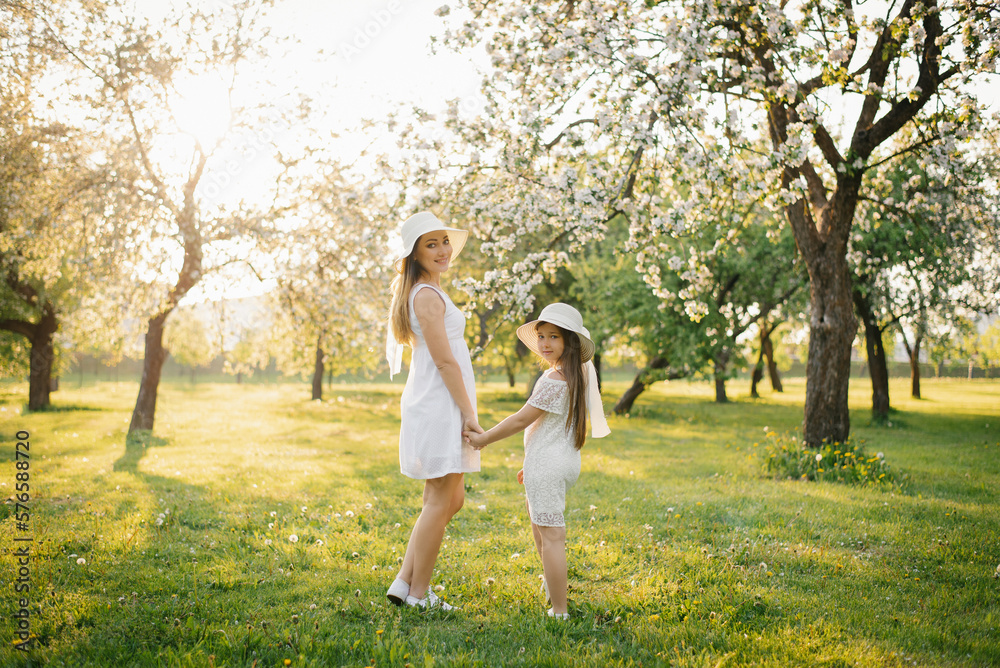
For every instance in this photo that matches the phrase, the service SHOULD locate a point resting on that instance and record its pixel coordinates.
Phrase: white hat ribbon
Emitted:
(393, 353)
(598, 423)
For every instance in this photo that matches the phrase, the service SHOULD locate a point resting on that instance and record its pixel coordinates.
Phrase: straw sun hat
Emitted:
(420, 224)
(562, 315)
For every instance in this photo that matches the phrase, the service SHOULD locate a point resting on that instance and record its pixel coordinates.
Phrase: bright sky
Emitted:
(357, 59)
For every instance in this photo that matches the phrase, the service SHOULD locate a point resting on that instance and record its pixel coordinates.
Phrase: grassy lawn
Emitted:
(179, 551)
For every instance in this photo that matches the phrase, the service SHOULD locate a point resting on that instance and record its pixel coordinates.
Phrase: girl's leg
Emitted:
(534, 532)
(553, 541)
(443, 497)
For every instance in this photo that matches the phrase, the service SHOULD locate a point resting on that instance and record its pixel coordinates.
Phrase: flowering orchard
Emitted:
(691, 119)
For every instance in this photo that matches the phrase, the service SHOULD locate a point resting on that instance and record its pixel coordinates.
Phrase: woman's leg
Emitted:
(443, 497)
(553, 549)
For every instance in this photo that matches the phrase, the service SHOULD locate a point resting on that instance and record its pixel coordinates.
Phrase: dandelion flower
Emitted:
(368, 506)
(819, 456)
(319, 542)
(304, 508)
(482, 507)
(293, 539)
(439, 588)
(337, 515)
(593, 507)
(267, 541)
(880, 455)
(516, 555)
(491, 581)
(81, 561)
(355, 555)
(349, 513)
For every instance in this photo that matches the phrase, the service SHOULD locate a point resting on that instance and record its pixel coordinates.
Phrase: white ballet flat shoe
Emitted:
(429, 602)
(398, 591)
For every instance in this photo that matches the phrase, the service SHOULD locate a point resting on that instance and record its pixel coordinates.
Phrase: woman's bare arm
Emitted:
(429, 308)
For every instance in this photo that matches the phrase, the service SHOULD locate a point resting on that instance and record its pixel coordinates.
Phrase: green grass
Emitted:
(681, 552)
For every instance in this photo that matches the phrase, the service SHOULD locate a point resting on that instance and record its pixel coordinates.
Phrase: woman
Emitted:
(439, 400)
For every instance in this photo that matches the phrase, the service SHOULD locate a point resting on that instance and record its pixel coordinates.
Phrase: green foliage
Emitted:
(848, 462)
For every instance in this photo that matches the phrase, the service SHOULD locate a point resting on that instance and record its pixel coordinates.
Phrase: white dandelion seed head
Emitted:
(293, 539)
(349, 513)
(819, 456)
(81, 561)
(368, 506)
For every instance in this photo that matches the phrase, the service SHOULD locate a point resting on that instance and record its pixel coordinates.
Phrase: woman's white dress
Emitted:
(551, 463)
(430, 434)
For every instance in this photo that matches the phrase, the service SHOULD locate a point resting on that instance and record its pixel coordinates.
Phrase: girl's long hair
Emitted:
(399, 310)
(572, 369)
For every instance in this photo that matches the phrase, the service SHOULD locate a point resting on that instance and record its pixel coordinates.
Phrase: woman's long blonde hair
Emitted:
(409, 275)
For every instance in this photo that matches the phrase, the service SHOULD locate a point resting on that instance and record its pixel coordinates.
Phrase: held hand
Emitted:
(520, 476)
(475, 439)
(469, 423)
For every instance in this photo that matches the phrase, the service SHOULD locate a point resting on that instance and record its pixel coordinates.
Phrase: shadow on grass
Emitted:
(136, 445)
(63, 408)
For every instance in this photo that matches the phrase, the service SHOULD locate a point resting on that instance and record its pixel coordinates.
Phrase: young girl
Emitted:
(554, 421)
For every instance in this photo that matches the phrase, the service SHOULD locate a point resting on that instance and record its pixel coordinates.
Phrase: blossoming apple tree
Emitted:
(655, 110)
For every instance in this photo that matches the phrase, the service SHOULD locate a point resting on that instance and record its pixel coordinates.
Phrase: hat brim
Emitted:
(456, 239)
(529, 337)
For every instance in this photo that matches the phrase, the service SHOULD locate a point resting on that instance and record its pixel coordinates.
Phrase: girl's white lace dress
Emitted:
(430, 434)
(551, 463)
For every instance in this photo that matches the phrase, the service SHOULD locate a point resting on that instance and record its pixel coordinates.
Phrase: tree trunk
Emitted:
(772, 367)
(152, 367)
(721, 362)
(758, 371)
(41, 360)
(511, 379)
(317, 380)
(877, 366)
(832, 328)
(641, 382)
(915, 367)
